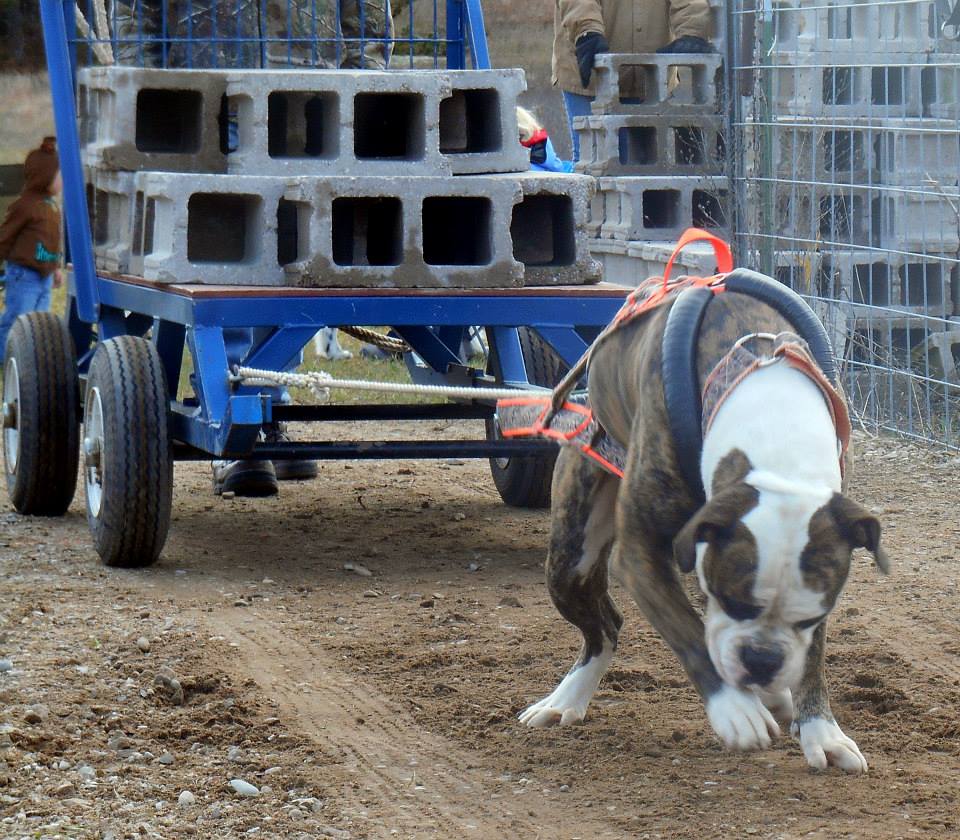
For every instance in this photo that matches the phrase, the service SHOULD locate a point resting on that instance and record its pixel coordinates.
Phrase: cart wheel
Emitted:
(41, 427)
(128, 468)
(525, 482)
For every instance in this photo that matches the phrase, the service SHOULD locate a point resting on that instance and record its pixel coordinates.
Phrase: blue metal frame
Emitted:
(224, 419)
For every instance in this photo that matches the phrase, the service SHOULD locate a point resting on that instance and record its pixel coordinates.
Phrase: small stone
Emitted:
(459, 517)
(5, 665)
(86, 773)
(427, 602)
(119, 742)
(564, 788)
(229, 494)
(186, 799)
(473, 567)
(234, 754)
(165, 758)
(295, 814)
(63, 764)
(144, 644)
(65, 789)
(357, 569)
(33, 716)
(271, 770)
(371, 593)
(510, 601)
(215, 812)
(243, 788)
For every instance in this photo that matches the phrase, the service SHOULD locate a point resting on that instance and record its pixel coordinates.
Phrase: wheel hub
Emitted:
(93, 451)
(11, 415)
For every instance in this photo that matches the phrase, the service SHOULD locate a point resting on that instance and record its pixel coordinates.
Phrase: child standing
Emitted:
(30, 239)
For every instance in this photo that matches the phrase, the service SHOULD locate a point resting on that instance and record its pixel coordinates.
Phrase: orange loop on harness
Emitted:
(720, 249)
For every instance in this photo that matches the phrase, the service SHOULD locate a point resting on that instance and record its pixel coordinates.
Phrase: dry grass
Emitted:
(26, 114)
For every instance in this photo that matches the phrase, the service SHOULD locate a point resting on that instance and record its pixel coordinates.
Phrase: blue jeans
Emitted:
(577, 105)
(27, 291)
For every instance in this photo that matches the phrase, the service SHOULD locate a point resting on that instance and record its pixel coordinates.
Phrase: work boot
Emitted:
(297, 469)
(244, 478)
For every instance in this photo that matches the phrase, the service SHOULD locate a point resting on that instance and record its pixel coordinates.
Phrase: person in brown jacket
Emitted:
(583, 28)
(30, 239)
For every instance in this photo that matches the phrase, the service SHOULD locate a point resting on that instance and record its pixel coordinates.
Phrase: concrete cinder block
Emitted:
(110, 207)
(804, 152)
(142, 119)
(912, 152)
(882, 285)
(193, 228)
(640, 208)
(875, 25)
(851, 86)
(474, 231)
(484, 230)
(650, 145)
(630, 263)
(650, 83)
(310, 122)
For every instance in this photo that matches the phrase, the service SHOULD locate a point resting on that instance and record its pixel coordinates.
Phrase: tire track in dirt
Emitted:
(399, 776)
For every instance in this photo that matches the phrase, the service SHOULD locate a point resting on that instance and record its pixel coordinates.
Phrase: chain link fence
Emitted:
(846, 164)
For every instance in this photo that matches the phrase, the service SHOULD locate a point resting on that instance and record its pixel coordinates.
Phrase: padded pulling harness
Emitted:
(568, 418)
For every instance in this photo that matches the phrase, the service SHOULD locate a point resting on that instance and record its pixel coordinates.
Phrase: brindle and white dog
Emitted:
(771, 546)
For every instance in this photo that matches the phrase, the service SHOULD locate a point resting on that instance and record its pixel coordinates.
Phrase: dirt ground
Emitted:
(385, 705)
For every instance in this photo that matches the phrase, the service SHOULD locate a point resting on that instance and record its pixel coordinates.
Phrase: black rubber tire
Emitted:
(525, 482)
(42, 479)
(136, 466)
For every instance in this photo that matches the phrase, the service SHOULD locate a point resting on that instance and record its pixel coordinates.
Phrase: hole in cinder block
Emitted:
(149, 220)
(921, 284)
(887, 85)
(288, 231)
(871, 284)
(838, 86)
(457, 230)
(138, 212)
(638, 146)
(842, 219)
(389, 126)
(691, 84)
(839, 23)
(303, 124)
(101, 217)
(470, 122)
(169, 121)
(367, 231)
(543, 230)
(882, 220)
(661, 208)
(709, 208)
(689, 145)
(223, 228)
(636, 84)
(842, 151)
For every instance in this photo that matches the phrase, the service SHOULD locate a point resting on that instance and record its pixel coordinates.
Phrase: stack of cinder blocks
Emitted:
(324, 178)
(862, 151)
(655, 141)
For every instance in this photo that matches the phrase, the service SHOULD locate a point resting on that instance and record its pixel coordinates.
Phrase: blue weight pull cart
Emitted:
(114, 366)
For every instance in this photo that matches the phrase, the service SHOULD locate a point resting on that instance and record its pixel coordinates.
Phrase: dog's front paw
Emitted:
(569, 700)
(824, 744)
(741, 720)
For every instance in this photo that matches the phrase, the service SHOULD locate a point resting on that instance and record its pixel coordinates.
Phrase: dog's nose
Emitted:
(762, 663)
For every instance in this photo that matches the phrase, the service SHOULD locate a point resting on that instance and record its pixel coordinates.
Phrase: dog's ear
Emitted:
(714, 520)
(860, 528)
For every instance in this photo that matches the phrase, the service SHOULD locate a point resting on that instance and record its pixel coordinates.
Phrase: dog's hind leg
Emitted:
(582, 532)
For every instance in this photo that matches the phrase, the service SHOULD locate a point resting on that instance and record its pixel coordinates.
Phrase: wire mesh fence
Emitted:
(220, 34)
(846, 160)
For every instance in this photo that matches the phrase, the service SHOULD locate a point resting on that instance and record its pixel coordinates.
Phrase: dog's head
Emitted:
(772, 558)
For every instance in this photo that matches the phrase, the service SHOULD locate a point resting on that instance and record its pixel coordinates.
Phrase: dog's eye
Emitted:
(807, 623)
(739, 611)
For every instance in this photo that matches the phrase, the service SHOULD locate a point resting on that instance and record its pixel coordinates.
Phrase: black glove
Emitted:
(587, 48)
(684, 44)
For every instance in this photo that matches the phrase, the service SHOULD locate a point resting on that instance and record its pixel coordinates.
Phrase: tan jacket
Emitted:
(630, 26)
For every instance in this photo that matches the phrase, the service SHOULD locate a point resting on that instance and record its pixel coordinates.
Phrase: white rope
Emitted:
(320, 384)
